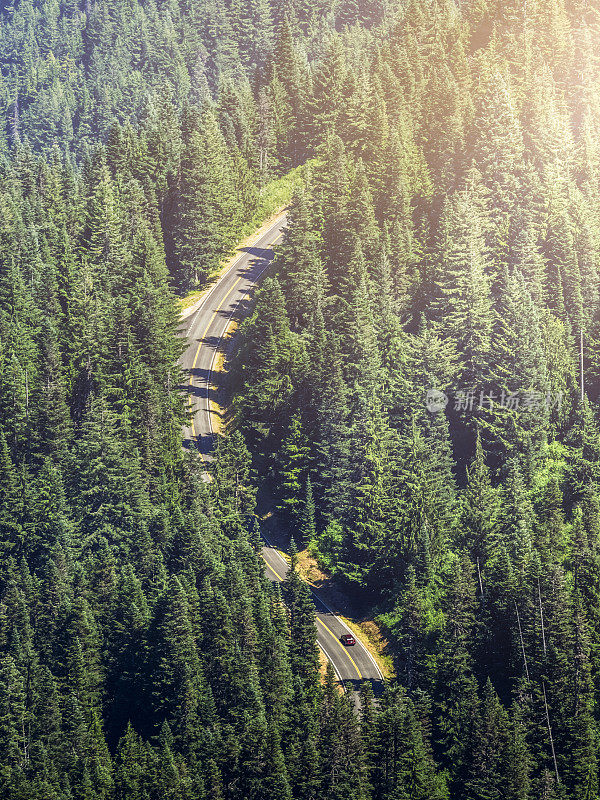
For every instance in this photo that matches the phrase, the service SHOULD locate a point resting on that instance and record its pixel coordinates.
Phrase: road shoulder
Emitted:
(192, 301)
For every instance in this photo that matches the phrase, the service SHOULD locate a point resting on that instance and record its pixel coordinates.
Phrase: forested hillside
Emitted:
(447, 240)
(196, 103)
(142, 652)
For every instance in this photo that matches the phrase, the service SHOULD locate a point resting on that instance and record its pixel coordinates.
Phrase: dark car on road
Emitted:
(347, 639)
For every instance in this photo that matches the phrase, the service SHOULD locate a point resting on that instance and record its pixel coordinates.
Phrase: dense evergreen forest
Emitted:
(143, 654)
(447, 239)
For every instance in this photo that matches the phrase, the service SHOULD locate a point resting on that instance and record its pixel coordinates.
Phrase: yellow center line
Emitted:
(214, 314)
(333, 636)
(201, 342)
(277, 575)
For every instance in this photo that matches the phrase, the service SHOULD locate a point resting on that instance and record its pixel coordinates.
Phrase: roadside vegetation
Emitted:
(274, 198)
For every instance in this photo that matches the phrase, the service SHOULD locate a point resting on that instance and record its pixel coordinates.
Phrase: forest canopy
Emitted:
(408, 387)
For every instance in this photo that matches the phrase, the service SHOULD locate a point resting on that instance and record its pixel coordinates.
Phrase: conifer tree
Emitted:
(464, 304)
(204, 215)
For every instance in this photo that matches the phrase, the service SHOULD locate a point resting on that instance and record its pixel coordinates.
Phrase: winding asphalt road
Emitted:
(351, 664)
(205, 328)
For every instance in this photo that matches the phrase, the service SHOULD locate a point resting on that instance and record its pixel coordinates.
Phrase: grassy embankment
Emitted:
(276, 195)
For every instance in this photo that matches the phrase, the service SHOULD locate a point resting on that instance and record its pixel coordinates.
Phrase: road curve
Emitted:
(205, 329)
(351, 664)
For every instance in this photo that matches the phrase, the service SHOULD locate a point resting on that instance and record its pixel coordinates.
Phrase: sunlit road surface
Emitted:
(206, 328)
(351, 664)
